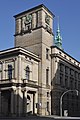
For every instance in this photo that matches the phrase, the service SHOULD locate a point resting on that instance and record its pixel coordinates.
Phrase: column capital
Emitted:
(19, 56)
(13, 88)
(1, 61)
(24, 90)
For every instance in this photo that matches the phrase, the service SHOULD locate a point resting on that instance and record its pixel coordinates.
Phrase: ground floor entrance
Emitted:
(29, 102)
(5, 103)
(17, 102)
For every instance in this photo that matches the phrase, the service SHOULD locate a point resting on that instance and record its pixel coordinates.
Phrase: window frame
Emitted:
(47, 76)
(27, 72)
(47, 53)
(10, 68)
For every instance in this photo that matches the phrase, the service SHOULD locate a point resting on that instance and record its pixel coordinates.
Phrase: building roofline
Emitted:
(65, 53)
(19, 50)
(34, 8)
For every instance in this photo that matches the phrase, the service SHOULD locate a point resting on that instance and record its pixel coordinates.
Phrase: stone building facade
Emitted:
(18, 81)
(34, 74)
(65, 77)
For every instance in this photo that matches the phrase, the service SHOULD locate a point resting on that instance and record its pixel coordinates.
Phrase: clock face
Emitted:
(47, 19)
(28, 19)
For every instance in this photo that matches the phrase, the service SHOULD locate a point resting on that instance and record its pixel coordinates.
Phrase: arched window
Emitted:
(9, 72)
(27, 72)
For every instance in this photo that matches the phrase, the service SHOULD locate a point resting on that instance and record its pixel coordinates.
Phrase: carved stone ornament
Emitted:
(28, 19)
(47, 19)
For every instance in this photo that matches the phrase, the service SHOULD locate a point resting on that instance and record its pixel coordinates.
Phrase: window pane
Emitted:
(47, 106)
(47, 53)
(27, 73)
(9, 72)
(47, 76)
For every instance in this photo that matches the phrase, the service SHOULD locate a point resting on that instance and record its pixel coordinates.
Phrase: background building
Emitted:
(34, 73)
(65, 76)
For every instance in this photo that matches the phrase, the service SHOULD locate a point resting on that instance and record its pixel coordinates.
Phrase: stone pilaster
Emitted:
(19, 101)
(36, 101)
(0, 103)
(34, 20)
(25, 102)
(18, 26)
(15, 102)
(23, 25)
(33, 103)
(19, 69)
(12, 102)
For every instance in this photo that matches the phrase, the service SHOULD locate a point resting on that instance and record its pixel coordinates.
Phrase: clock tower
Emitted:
(33, 31)
(34, 27)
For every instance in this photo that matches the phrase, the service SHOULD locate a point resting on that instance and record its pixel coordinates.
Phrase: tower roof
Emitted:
(58, 38)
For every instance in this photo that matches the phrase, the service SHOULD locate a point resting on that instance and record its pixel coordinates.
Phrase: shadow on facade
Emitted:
(16, 105)
(61, 82)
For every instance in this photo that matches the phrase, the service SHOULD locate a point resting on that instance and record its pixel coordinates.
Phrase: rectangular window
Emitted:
(47, 76)
(71, 83)
(36, 19)
(71, 72)
(61, 79)
(9, 72)
(61, 67)
(47, 106)
(66, 81)
(79, 76)
(47, 53)
(66, 70)
(75, 84)
(47, 94)
(27, 73)
(76, 74)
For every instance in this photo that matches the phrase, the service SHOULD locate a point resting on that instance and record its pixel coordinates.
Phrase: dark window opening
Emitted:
(47, 53)
(27, 73)
(47, 106)
(61, 67)
(9, 72)
(47, 76)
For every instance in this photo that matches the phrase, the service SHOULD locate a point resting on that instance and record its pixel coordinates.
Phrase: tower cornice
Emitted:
(34, 8)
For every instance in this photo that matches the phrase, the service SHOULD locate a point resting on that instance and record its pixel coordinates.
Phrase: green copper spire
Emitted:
(58, 38)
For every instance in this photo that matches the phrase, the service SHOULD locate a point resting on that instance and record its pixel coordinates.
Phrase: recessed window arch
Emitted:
(9, 71)
(27, 72)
